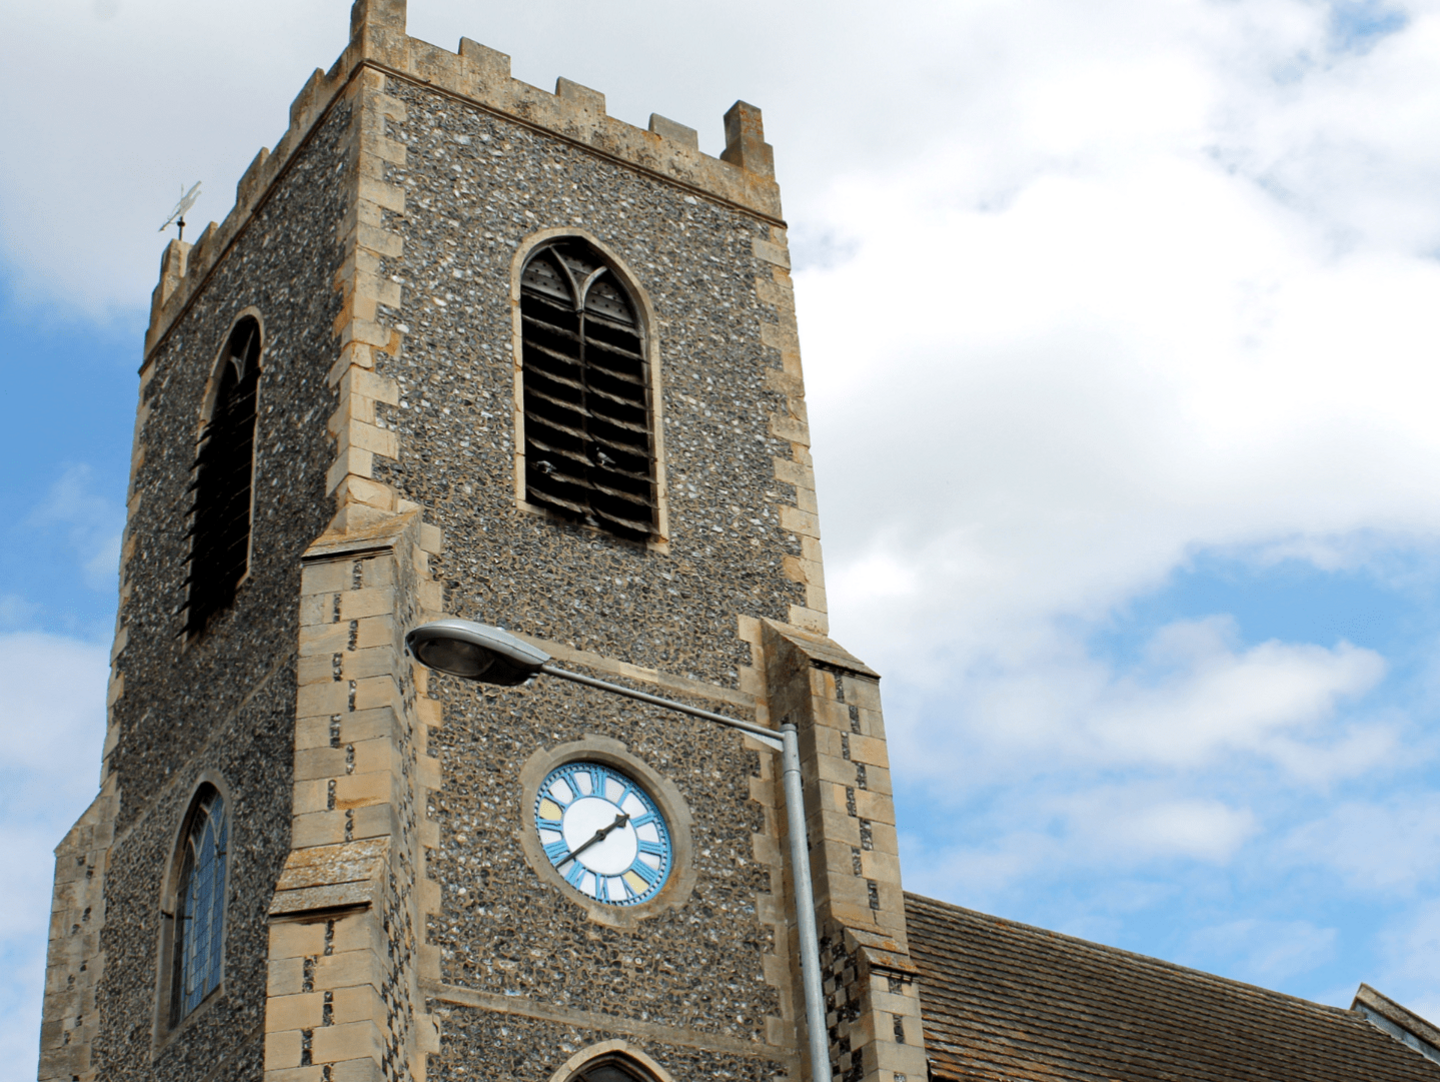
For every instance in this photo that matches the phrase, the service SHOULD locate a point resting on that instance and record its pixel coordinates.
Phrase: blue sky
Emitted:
(1130, 487)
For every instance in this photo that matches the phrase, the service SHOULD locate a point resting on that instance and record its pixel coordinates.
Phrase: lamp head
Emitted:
(475, 651)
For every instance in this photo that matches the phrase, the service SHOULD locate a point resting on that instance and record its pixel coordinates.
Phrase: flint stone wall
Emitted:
(225, 701)
(475, 186)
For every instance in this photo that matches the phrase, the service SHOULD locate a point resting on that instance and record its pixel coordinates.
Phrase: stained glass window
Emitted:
(200, 904)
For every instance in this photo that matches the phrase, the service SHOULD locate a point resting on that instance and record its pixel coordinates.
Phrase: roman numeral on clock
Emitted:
(557, 852)
(645, 872)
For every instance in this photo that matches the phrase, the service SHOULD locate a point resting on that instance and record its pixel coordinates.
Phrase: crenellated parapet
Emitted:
(742, 177)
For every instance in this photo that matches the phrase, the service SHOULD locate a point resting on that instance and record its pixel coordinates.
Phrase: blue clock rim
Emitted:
(652, 805)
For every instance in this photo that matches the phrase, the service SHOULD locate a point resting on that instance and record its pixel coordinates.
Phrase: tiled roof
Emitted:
(1005, 1002)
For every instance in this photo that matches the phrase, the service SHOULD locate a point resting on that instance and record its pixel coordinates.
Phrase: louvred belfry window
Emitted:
(588, 444)
(220, 515)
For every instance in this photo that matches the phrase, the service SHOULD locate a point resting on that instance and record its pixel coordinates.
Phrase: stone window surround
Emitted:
(660, 789)
(207, 410)
(617, 1049)
(162, 1031)
(649, 330)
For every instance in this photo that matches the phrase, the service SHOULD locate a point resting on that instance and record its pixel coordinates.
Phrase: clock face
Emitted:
(603, 833)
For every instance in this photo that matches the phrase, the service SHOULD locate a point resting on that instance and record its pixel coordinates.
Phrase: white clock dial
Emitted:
(603, 833)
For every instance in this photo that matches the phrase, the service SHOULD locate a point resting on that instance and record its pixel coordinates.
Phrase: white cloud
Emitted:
(1093, 289)
(1264, 950)
(1054, 766)
(1194, 699)
(1218, 700)
(1389, 847)
(1048, 837)
(1137, 823)
(102, 569)
(1085, 336)
(16, 610)
(1411, 955)
(1135, 324)
(90, 522)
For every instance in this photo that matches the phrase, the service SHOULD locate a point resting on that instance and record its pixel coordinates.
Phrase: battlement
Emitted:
(742, 177)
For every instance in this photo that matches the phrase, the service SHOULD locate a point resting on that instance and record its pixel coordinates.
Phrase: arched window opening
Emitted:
(612, 1069)
(220, 523)
(588, 443)
(199, 904)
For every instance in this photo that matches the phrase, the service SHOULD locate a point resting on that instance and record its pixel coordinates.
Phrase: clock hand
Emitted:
(602, 834)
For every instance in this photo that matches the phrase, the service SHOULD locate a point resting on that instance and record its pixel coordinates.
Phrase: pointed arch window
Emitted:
(589, 446)
(199, 904)
(224, 468)
(615, 1068)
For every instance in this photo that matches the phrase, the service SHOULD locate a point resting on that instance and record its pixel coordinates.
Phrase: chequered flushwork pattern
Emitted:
(1005, 1002)
(843, 1006)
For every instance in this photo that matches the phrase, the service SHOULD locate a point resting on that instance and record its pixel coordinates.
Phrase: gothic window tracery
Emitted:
(223, 477)
(589, 448)
(199, 904)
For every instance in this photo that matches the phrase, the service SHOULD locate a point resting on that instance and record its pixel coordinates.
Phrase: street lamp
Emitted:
(489, 655)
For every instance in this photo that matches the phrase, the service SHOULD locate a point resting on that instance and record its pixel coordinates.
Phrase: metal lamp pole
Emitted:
(489, 655)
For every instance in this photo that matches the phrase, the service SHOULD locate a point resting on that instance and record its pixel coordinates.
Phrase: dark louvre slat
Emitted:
(535, 492)
(601, 410)
(534, 396)
(628, 449)
(602, 372)
(638, 488)
(574, 456)
(632, 401)
(628, 426)
(548, 423)
(608, 347)
(532, 300)
(571, 363)
(605, 331)
(611, 468)
(639, 527)
(554, 477)
(547, 326)
(622, 414)
(628, 497)
(609, 321)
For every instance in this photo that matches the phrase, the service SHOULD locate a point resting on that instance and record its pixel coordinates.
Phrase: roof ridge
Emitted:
(1338, 1012)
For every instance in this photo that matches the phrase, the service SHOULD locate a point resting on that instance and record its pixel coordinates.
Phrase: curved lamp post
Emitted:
(489, 655)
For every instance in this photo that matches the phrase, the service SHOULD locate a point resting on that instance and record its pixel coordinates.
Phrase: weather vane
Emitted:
(178, 214)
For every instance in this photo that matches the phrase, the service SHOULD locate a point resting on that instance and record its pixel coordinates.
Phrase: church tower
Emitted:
(465, 347)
